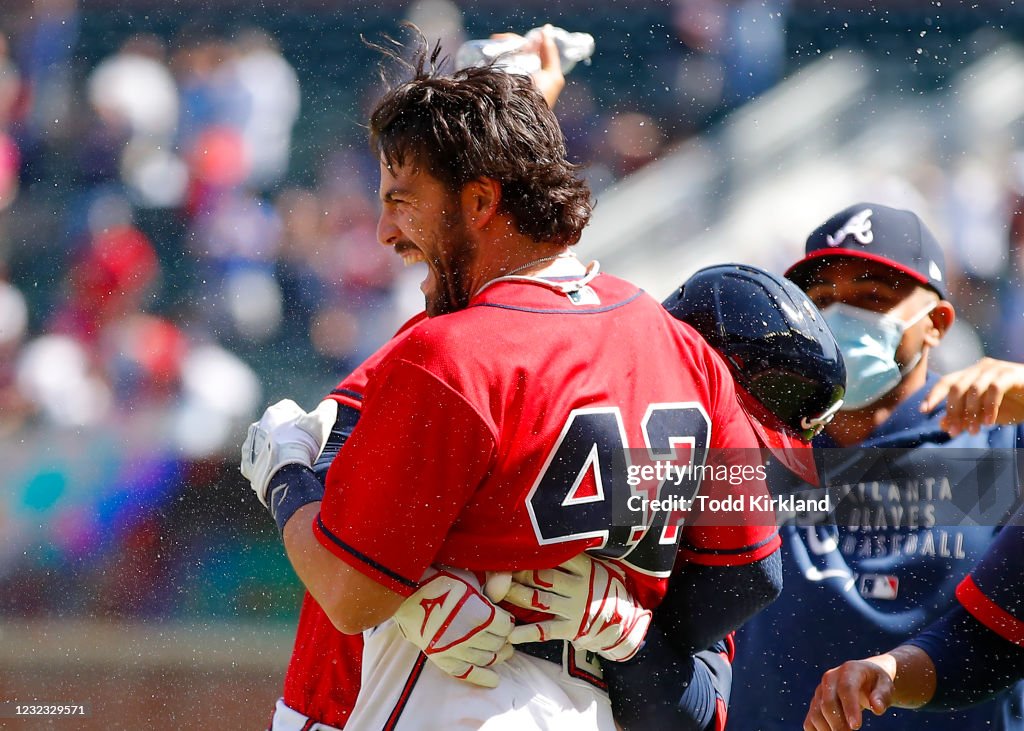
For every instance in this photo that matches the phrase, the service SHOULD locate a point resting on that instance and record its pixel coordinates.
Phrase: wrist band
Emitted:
(291, 487)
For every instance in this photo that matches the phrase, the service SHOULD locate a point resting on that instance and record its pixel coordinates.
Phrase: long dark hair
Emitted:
(484, 122)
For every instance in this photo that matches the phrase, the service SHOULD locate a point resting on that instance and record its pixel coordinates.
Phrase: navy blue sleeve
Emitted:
(705, 603)
(661, 688)
(673, 682)
(346, 422)
(972, 662)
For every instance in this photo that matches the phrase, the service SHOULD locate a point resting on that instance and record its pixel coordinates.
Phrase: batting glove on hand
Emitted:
(593, 608)
(285, 434)
(457, 628)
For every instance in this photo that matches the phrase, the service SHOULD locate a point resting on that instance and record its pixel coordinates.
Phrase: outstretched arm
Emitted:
(549, 80)
(904, 677)
(954, 663)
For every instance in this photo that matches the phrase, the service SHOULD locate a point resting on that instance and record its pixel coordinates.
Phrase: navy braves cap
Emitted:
(874, 232)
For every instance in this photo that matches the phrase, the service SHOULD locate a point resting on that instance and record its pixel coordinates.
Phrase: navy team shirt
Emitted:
(880, 572)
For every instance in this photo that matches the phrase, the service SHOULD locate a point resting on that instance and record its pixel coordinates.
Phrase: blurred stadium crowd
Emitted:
(187, 232)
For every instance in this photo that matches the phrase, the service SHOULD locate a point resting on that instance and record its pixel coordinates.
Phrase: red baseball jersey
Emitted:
(498, 438)
(323, 676)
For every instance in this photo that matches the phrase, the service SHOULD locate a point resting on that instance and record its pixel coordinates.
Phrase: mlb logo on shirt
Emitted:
(878, 586)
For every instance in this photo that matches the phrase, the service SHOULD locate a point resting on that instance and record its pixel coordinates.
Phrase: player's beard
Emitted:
(447, 288)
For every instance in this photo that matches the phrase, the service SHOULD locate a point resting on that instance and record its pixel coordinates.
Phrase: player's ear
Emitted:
(941, 319)
(481, 198)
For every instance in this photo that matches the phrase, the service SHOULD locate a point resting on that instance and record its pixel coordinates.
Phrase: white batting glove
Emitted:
(592, 607)
(284, 435)
(457, 628)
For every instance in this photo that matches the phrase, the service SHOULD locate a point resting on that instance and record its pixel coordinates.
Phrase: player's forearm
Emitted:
(350, 599)
(912, 674)
(313, 563)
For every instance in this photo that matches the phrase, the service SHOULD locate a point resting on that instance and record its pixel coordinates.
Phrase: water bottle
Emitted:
(504, 53)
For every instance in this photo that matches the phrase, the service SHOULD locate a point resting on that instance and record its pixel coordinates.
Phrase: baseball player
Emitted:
(794, 356)
(790, 379)
(490, 437)
(889, 562)
(323, 675)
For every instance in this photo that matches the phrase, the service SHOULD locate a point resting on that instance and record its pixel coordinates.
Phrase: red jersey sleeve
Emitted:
(736, 537)
(416, 457)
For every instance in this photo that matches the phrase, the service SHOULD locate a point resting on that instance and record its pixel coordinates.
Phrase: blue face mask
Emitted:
(868, 341)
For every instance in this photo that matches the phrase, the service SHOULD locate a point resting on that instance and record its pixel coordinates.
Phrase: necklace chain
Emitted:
(535, 262)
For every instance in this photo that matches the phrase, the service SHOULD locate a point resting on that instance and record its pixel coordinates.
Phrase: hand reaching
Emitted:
(989, 392)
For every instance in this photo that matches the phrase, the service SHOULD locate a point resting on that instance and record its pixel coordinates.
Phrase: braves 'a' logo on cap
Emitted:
(859, 227)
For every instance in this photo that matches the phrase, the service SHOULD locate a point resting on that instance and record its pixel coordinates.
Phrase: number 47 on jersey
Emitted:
(583, 489)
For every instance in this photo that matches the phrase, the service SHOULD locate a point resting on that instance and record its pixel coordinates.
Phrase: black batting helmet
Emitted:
(782, 355)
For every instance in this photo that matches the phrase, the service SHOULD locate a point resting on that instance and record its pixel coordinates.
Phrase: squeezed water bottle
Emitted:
(505, 53)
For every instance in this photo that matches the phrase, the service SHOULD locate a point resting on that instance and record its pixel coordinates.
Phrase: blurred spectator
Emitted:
(303, 247)
(235, 242)
(730, 51)
(337, 280)
(695, 75)
(219, 393)
(217, 166)
(272, 88)
(440, 19)
(114, 272)
(47, 44)
(136, 102)
(754, 52)
(1012, 287)
(57, 374)
(584, 128)
(633, 140)
(195, 64)
(135, 87)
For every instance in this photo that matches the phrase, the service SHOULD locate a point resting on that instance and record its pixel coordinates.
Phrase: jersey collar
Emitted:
(565, 275)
